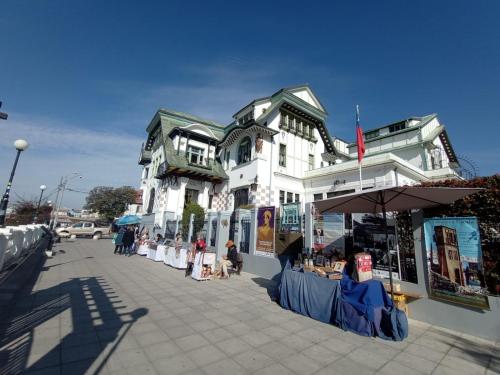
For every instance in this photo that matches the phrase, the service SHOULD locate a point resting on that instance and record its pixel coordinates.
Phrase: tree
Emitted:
(25, 210)
(110, 202)
(199, 219)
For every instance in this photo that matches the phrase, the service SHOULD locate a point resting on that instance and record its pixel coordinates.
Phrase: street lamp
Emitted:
(42, 188)
(20, 145)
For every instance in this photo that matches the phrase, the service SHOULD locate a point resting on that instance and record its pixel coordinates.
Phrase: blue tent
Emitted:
(128, 220)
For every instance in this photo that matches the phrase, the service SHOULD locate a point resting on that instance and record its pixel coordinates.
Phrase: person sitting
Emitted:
(231, 259)
(159, 238)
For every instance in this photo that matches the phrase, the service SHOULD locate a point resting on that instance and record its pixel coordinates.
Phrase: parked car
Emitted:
(85, 229)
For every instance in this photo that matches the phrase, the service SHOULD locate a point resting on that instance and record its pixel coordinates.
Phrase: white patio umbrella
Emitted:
(399, 198)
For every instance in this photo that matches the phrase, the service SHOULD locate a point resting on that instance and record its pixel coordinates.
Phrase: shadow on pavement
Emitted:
(86, 308)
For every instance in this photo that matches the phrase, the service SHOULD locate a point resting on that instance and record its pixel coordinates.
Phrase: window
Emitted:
(244, 150)
(299, 126)
(210, 200)
(284, 120)
(282, 196)
(318, 197)
(311, 131)
(151, 201)
(306, 129)
(240, 198)
(282, 159)
(289, 197)
(77, 225)
(371, 135)
(195, 155)
(397, 127)
(228, 156)
(191, 196)
(333, 194)
(291, 123)
(311, 162)
(87, 225)
(146, 173)
(297, 197)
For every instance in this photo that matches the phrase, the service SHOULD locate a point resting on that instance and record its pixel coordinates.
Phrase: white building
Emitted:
(277, 150)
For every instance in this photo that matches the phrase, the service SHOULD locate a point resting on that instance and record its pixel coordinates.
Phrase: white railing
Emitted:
(17, 241)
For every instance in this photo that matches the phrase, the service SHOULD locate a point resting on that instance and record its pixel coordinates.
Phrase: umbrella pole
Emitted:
(389, 256)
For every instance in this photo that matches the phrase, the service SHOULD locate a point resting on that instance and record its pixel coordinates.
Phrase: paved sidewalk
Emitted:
(89, 311)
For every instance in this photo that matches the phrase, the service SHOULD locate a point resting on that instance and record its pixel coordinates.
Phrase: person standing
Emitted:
(119, 240)
(128, 240)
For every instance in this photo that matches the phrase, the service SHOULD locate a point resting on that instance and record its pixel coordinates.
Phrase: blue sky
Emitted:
(81, 80)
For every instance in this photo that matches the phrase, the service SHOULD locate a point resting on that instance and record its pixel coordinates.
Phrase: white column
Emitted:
(204, 195)
(182, 192)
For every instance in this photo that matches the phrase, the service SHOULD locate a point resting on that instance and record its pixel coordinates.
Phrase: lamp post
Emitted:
(20, 145)
(42, 188)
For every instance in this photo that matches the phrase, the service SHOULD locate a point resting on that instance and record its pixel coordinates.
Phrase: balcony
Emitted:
(144, 156)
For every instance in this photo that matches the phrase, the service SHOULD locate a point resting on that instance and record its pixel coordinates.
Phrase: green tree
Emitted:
(199, 218)
(110, 202)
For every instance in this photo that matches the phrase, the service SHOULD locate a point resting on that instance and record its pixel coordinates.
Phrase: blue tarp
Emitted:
(364, 308)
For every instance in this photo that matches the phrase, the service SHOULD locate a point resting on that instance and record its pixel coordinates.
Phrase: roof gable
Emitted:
(305, 93)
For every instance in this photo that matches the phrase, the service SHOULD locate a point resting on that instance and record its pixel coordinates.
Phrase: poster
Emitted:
(329, 234)
(454, 260)
(290, 217)
(265, 231)
(369, 236)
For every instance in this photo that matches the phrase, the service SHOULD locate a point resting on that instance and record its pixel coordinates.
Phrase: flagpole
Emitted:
(360, 177)
(361, 148)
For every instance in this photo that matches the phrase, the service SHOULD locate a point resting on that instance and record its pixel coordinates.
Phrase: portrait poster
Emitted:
(369, 237)
(266, 217)
(290, 217)
(454, 261)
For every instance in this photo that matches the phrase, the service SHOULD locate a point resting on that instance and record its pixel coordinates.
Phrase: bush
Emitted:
(199, 218)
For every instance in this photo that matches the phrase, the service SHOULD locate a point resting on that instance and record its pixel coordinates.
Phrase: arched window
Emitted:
(151, 201)
(244, 150)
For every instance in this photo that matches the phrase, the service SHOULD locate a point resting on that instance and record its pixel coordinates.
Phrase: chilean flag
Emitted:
(359, 137)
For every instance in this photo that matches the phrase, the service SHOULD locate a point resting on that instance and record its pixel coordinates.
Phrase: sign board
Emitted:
(266, 217)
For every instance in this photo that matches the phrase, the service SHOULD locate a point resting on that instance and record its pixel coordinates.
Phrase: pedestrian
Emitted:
(118, 240)
(128, 240)
(178, 245)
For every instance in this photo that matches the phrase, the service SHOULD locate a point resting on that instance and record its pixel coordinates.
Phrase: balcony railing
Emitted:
(144, 156)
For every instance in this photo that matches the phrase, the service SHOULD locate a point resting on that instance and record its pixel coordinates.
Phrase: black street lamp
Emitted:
(42, 188)
(20, 146)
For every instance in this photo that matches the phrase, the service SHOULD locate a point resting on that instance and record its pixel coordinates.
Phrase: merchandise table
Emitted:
(171, 258)
(363, 308)
(143, 249)
(158, 254)
(201, 259)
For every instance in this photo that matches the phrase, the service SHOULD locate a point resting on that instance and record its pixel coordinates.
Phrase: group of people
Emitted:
(127, 239)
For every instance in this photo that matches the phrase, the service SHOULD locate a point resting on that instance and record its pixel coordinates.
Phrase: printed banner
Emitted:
(369, 236)
(290, 217)
(329, 233)
(265, 231)
(454, 260)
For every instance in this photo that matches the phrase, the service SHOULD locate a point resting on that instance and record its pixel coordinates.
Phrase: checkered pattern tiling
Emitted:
(221, 201)
(261, 196)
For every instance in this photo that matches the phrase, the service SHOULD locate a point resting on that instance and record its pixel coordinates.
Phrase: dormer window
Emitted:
(195, 155)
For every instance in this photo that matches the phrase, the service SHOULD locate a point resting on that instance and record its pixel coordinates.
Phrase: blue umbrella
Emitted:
(128, 220)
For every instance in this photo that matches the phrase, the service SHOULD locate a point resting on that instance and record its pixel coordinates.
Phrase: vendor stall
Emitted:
(364, 308)
(176, 259)
(143, 249)
(156, 253)
(204, 266)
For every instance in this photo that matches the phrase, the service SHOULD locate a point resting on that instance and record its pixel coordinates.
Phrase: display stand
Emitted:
(143, 249)
(203, 259)
(151, 253)
(177, 261)
(159, 254)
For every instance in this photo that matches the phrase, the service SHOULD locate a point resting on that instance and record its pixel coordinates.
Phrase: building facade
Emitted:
(278, 150)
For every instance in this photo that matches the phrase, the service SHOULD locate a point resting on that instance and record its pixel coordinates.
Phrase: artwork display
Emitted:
(328, 232)
(290, 217)
(454, 260)
(266, 217)
(369, 237)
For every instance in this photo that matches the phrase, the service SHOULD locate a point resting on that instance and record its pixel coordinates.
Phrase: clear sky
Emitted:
(82, 79)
